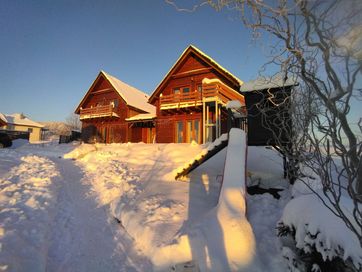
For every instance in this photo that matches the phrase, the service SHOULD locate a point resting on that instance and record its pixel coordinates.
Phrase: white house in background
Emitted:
(19, 122)
(2, 120)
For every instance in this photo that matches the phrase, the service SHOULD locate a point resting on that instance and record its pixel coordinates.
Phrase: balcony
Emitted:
(98, 112)
(212, 90)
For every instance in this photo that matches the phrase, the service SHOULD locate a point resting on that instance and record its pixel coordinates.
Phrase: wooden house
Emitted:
(191, 99)
(113, 111)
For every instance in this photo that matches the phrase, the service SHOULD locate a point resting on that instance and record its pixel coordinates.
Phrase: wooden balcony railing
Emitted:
(215, 90)
(98, 112)
(181, 100)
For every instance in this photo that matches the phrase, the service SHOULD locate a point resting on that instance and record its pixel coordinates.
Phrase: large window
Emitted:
(179, 132)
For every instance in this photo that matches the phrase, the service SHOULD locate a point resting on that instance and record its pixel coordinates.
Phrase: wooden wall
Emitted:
(260, 129)
(107, 130)
(189, 73)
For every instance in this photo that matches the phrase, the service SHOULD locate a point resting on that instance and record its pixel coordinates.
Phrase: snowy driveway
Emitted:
(49, 220)
(58, 214)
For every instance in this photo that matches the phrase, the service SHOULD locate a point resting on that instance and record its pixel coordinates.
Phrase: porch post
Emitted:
(216, 120)
(207, 123)
(203, 122)
(219, 111)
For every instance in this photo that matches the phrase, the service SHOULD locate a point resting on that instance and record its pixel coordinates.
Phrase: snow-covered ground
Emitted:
(118, 208)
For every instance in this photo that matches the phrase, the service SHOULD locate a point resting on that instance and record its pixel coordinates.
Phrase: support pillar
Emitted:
(203, 122)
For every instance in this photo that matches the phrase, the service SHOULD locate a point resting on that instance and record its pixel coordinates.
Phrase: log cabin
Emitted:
(114, 112)
(191, 99)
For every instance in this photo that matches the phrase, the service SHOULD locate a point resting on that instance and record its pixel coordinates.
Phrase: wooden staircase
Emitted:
(197, 162)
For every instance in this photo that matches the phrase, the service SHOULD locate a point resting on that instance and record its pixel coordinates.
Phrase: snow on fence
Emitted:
(239, 241)
(202, 157)
(224, 231)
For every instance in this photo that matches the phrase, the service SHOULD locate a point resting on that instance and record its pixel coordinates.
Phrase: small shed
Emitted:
(267, 102)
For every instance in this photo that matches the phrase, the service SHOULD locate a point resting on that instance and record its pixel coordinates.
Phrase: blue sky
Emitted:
(51, 51)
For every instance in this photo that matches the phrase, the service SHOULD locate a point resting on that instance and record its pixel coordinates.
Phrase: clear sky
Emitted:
(51, 51)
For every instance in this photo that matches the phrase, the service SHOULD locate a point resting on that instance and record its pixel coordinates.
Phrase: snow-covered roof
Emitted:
(131, 95)
(142, 116)
(216, 64)
(262, 83)
(2, 118)
(233, 104)
(211, 60)
(21, 119)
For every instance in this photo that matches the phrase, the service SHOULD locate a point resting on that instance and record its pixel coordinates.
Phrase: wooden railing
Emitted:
(212, 91)
(189, 98)
(96, 112)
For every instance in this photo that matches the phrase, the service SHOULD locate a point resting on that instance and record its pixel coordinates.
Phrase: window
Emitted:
(30, 130)
(186, 90)
(114, 103)
(181, 90)
(179, 132)
(197, 131)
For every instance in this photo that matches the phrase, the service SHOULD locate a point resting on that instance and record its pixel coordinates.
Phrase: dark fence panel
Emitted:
(16, 134)
(75, 136)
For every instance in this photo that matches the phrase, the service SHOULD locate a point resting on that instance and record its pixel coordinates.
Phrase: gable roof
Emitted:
(193, 49)
(132, 96)
(21, 120)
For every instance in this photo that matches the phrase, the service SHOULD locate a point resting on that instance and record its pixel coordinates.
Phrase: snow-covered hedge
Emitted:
(318, 233)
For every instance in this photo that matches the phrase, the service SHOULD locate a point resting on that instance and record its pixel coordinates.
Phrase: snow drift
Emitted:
(223, 239)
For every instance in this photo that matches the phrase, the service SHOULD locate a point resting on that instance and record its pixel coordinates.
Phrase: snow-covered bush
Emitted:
(315, 239)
